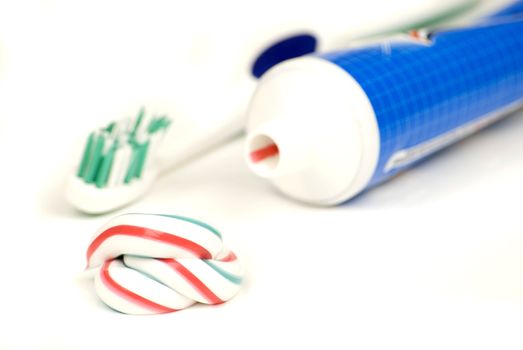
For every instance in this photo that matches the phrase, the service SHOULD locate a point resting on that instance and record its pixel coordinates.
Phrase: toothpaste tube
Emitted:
(513, 9)
(323, 129)
(213, 65)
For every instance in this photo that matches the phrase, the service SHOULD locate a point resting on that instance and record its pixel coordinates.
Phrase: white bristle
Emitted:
(121, 161)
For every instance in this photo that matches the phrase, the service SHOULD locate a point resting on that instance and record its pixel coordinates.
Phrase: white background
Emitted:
(430, 260)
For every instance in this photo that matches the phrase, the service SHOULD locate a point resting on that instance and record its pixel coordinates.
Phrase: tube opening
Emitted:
(263, 154)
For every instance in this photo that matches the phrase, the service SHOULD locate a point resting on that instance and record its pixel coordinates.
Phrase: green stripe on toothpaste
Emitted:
(229, 276)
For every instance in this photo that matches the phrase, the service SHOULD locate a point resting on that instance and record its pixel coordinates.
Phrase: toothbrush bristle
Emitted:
(117, 154)
(86, 156)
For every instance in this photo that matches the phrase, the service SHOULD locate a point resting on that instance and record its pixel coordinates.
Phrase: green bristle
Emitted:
(109, 128)
(106, 166)
(86, 156)
(138, 121)
(95, 167)
(141, 157)
(130, 170)
(151, 128)
(94, 163)
(157, 124)
(132, 163)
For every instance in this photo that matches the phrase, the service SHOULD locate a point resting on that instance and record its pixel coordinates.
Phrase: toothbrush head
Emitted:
(117, 164)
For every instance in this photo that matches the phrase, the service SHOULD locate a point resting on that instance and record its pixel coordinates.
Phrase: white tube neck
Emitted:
(277, 149)
(312, 131)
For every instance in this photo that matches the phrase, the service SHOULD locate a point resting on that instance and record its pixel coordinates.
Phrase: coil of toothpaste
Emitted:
(325, 128)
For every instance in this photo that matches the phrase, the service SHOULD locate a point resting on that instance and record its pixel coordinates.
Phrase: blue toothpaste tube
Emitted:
(513, 9)
(324, 128)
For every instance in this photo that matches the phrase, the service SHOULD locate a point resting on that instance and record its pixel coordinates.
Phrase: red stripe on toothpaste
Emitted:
(229, 257)
(193, 280)
(149, 234)
(125, 293)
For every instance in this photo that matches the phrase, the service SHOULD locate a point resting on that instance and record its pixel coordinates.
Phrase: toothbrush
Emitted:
(112, 168)
(211, 91)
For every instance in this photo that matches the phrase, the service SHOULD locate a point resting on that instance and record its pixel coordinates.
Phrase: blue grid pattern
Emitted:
(422, 90)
